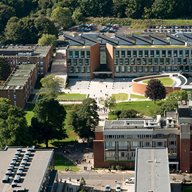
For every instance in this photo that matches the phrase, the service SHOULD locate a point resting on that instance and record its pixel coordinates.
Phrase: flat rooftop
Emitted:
(34, 171)
(152, 170)
(19, 77)
(24, 50)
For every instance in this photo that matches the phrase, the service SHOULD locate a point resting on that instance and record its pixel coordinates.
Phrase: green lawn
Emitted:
(72, 136)
(144, 107)
(62, 163)
(134, 96)
(166, 81)
(71, 97)
(120, 96)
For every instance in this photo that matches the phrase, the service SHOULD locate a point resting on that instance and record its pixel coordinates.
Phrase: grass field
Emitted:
(134, 96)
(71, 97)
(72, 136)
(144, 107)
(62, 163)
(120, 96)
(166, 81)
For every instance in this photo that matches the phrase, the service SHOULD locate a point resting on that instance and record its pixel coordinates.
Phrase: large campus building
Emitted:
(117, 140)
(92, 55)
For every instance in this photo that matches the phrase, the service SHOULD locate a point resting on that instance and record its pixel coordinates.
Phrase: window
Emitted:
(159, 144)
(116, 53)
(76, 54)
(140, 53)
(70, 54)
(122, 53)
(146, 53)
(86, 61)
(126, 61)
(157, 53)
(82, 54)
(163, 53)
(116, 61)
(128, 53)
(134, 53)
(152, 53)
(88, 54)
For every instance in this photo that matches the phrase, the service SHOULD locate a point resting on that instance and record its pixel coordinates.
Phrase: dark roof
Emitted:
(185, 112)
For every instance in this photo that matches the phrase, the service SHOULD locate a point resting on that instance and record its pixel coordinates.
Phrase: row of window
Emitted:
(152, 53)
(78, 54)
(79, 69)
(78, 62)
(150, 61)
(151, 69)
(139, 136)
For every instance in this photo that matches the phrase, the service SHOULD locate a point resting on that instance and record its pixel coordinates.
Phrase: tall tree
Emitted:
(51, 86)
(86, 118)
(6, 12)
(5, 69)
(13, 125)
(48, 119)
(44, 25)
(62, 16)
(47, 39)
(155, 90)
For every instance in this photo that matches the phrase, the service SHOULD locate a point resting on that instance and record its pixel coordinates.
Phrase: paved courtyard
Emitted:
(99, 88)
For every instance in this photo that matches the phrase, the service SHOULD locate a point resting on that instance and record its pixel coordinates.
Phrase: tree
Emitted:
(155, 90)
(109, 103)
(129, 114)
(48, 119)
(6, 12)
(47, 39)
(14, 30)
(86, 118)
(62, 16)
(5, 69)
(171, 103)
(44, 25)
(13, 125)
(77, 16)
(51, 86)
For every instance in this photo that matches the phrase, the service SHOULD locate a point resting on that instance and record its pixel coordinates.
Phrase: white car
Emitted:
(107, 188)
(118, 188)
(130, 180)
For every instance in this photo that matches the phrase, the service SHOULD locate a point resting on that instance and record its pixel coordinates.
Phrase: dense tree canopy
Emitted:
(85, 118)
(155, 90)
(64, 13)
(48, 119)
(13, 125)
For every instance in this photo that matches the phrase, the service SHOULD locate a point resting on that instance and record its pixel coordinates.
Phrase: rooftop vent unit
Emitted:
(5, 179)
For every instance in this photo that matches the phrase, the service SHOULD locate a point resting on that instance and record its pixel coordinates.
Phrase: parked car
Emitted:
(130, 180)
(118, 188)
(107, 188)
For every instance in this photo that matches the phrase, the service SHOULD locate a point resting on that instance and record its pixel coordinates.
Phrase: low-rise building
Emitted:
(116, 142)
(26, 169)
(28, 54)
(20, 84)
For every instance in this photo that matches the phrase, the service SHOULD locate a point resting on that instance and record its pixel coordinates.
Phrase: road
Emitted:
(98, 180)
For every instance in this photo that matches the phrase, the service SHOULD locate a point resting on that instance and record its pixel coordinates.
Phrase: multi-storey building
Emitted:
(19, 85)
(90, 55)
(31, 54)
(116, 142)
